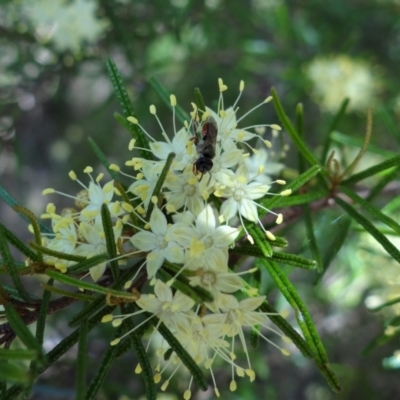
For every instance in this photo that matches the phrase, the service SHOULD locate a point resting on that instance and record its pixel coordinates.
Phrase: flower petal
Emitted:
(158, 222)
(248, 209)
(145, 241)
(154, 261)
(224, 235)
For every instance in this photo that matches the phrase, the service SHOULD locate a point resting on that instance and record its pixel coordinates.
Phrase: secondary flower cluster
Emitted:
(186, 222)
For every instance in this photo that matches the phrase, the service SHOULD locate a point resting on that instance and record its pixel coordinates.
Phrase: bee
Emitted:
(205, 147)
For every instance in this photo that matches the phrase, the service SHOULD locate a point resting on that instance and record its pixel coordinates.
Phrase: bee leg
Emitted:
(209, 179)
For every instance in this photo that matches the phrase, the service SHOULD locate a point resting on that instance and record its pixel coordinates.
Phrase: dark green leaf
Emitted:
(101, 156)
(88, 263)
(368, 226)
(110, 240)
(372, 210)
(18, 354)
(311, 238)
(332, 127)
(392, 162)
(199, 100)
(13, 373)
(160, 183)
(11, 267)
(162, 92)
(13, 203)
(127, 108)
(293, 259)
(187, 360)
(81, 361)
(297, 140)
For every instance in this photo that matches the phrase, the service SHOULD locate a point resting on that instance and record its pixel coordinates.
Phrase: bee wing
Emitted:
(210, 130)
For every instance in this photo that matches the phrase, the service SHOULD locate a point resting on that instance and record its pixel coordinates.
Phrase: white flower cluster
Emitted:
(194, 220)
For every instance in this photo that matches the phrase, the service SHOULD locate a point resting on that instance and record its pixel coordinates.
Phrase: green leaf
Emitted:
(305, 322)
(13, 373)
(162, 92)
(368, 226)
(385, 304)
(356, 142)
(14, 203)
(140, 352)
(261, 241)
(199, 100)
(311, 238)
(81, 361)
(336, 119)
(392, 162)
(68, 280)
(335, 242)
(101, 156)
(11, 267)
(86, 264)
(41, 321)
(11, 238)
(187, 360)
(293, 259)
(296, 200)
(294, 185)
(297, 140)
(110, 240)
(372, 210)
(379, 186)
(127, 108)
(254, 336)
(181, 283)
(18, 354)
(67, 293)
(160, 183)
(389, 122)
(287, 329)
(22, 331)
(57, 254)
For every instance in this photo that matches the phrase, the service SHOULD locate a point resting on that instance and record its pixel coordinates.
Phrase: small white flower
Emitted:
(168, 307)
(159, 242)
(261, 159)
(241, 196)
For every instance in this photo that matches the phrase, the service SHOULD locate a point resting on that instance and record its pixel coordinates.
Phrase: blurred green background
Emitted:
(55, 94)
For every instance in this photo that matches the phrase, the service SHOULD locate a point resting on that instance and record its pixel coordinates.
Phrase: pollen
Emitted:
(221, 85)
(114, 167)
(241, 86)
(275, 127)
(107, 318)
(279, 220)
(48, 191)
(172, 99)
(88, 170)
(131, 144)
(127, 207)
(153, 109)
(138, 369)
(268, 143)
(232, 386)
(270, 236)
(280, 182)
(133, 120)
(115, 342)
(286, 192)
(72, 175)
(99, 177)
(268, 99)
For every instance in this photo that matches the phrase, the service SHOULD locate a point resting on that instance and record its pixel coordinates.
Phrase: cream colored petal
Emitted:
(248, 209)
(229, 209)
(224, 235)
(162, 291)
(149, 303)
(229, 283)
(227, 302)
(160, 149)
(154, 261)
(205, 221)
(97, 272)
(255, 190)
(145, 241)
(251, 304)
(158, 222)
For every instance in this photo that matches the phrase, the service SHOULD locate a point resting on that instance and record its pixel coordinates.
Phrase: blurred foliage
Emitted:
(55, 93)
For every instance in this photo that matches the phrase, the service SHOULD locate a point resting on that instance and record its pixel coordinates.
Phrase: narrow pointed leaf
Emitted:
(88, 263)
(293, 259)
(261, 241)
(160, 183)
(199, 100)
(297, 140)
(333, 126)
(13, 373)
(385, 304)
(13, 203)
(22, 331)
(127, 108)
(140, 352)
(68, 280)
(368, 226)
(110, 240)
(162, 92)
(311, 238)
(296, 200)
(190, 364)
(372, 210)
(392, 162)
(11, 267)
(380, 185)
(81, 361)
(12, 239)
(102, 158)
(336, 241)
(57, 254)
(18, 354)
(357, 142)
